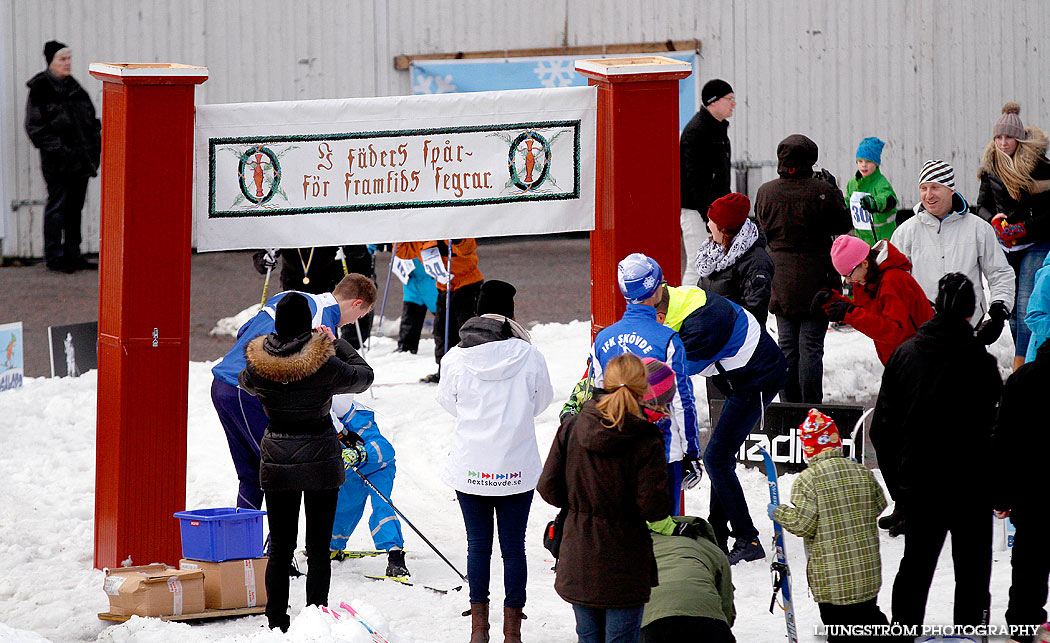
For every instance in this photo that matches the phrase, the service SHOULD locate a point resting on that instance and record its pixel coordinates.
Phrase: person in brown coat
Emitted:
(799, 213)
(607, 467)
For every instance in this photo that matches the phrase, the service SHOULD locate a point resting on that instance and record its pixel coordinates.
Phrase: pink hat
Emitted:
(847, 252)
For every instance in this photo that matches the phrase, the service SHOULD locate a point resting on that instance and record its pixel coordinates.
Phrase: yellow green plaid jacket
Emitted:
(836, 503)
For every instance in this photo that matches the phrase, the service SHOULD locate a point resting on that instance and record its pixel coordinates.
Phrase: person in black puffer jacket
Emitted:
(294, 372)
(734, 262)
(61, 123)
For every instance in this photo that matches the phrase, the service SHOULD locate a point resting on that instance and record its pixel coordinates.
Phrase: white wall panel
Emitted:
(927, 76)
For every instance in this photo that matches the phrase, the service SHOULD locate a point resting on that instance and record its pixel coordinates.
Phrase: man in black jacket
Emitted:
(60, 121)
(1019, 488)
(704, 151)
(935, 410)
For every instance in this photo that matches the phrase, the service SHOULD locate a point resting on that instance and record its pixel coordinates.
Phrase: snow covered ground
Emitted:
(49, 590)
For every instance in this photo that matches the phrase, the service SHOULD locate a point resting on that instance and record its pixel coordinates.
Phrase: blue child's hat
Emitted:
(871, 149)
(639, 277)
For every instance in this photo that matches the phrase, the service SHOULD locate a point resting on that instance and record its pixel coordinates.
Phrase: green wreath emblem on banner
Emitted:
(259, 174)
(529, 160)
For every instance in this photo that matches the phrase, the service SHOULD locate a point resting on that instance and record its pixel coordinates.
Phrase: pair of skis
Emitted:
(334, 613)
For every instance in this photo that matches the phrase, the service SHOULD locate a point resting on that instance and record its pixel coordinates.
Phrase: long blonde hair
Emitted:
(625, 379)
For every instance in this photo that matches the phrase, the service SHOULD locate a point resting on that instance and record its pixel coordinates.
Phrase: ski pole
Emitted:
(269, 270)
(407, 521)
(386, 289)
(361, 343)
(448, 300)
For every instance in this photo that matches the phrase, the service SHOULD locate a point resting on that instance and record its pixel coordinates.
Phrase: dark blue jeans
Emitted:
(801, 340)
(595, 625)
(244, 420)
(512, 516)
(1025, 264)
(740, 413)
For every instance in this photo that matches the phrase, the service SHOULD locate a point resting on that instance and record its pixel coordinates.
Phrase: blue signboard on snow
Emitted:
(10, 356)
(491, 74)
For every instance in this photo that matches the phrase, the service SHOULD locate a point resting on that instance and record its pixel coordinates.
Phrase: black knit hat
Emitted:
(955, 296)
(497, 297)
(52, 47)
(292, 317)
(713, 90)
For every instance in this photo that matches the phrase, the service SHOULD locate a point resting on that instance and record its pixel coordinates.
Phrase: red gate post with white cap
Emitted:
(638, 203)
(143, 312)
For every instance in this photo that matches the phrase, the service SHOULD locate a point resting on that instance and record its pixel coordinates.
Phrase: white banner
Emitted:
(407, 168)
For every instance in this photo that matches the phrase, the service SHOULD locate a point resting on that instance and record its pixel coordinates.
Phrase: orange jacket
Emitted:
(465, 269)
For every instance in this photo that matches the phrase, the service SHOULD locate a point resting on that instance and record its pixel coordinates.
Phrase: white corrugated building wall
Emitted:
(927, 76)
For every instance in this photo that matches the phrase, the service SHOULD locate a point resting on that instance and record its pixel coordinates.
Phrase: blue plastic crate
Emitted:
(225, 533)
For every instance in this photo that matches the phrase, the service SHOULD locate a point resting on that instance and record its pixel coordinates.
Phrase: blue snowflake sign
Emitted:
(491, 74)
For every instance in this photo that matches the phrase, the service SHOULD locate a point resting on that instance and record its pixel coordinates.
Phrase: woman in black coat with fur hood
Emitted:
(294, 372)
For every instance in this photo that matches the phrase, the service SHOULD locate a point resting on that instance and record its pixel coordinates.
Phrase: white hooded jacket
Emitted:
(494, 390)
(961, 242)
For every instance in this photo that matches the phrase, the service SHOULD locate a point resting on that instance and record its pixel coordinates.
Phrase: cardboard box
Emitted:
(154, 590)
(231, 583)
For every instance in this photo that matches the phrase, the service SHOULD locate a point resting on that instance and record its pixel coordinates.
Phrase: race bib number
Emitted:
(434, 265)
(403, 268)
(861, 217)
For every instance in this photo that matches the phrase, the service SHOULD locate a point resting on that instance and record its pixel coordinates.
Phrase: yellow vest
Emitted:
(683, 301)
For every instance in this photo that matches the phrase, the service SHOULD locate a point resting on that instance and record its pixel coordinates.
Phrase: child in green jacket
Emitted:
(836, 502)
(869, 195)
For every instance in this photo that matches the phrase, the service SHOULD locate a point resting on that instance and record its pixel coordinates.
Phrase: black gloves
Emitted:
(868, 203)
(350, 439)
(822, 297)
(264, 260)
(826, 176)
(687, 529)
(692, 472)
(838, 309)
(990, 329)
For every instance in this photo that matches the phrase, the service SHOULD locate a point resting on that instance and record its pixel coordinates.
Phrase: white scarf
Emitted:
(710, 258)
(517, 329)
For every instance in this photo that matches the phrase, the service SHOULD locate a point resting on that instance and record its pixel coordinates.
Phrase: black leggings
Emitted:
(283, 518)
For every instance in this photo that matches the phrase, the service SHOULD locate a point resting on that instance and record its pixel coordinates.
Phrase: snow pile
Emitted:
(51, 591)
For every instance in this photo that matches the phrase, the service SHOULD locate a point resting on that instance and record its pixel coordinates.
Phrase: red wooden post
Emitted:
(143, 312)
(638, 203)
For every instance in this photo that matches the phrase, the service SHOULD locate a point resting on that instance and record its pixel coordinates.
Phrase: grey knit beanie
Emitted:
(1009, 124)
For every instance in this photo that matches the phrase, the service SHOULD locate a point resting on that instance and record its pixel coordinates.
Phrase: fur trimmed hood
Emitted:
(1025, 159)
(292, 367)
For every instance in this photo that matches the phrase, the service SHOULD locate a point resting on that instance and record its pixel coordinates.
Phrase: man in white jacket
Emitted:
(944, 237)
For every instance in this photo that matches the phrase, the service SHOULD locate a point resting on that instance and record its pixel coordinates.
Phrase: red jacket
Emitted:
(891, 309)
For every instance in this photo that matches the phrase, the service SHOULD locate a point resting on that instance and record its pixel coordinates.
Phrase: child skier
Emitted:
(836, 502)
(373, 458)
(870, 197)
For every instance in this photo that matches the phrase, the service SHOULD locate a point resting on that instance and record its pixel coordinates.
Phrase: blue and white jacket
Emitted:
(362, 420)
(325, 311)
(723, 340)
(639, 333)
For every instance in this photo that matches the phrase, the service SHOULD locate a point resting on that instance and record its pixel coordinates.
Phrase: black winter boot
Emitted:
(395, 563)
(746, 550)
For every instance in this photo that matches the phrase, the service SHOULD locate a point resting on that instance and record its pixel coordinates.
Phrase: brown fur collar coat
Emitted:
(266, 356)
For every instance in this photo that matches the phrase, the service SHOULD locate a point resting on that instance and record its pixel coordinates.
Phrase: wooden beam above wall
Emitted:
(403, 62)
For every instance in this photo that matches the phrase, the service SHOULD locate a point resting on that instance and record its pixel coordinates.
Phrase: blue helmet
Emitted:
(639, 277)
